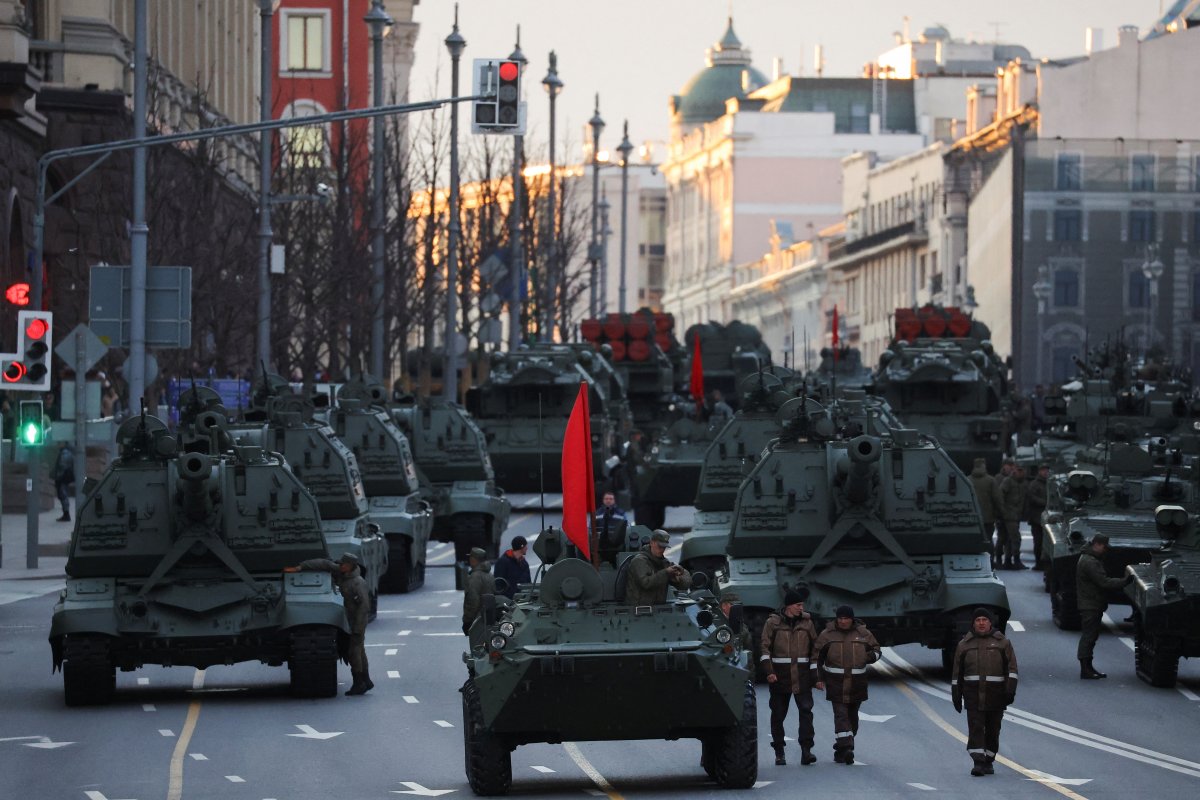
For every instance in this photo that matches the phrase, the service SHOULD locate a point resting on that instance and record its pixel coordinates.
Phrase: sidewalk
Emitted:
(19, 583)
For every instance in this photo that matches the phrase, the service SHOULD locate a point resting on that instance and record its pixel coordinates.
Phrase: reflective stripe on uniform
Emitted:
(995, 679)
(789, 660)
(764, 657)
(1012, 675)
(852, 671)
(842, 734)
(976, 751)
(987, 678)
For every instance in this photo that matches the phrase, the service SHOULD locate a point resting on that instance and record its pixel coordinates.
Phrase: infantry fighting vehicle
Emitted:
(177, 559)
(389, 475)
(1114, 489)
(568, 660)
(942, 377)
(285, 422)
(1166, 599)
(524, 405)
(887, 524)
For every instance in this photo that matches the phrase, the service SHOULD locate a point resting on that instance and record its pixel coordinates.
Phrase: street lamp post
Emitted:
(266, 9)
(517, 267)
(378, 21)
(1152, 268)
(625, 148)
(597, 123)
(553, 86)
(605, 231)
(1041, 290)
(455, 44)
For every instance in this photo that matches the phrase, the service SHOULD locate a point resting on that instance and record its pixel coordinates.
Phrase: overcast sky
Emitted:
(637, 53)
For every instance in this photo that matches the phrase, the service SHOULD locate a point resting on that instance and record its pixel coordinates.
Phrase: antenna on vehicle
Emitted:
(541, 466)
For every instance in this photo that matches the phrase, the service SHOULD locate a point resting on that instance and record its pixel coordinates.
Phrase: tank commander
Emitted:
(984, 679)
(844, 649)
(347, 574)
(1091, 586)
(650, 573)
(721, 411)
(789, 658)
(728, 598)
(479, 582)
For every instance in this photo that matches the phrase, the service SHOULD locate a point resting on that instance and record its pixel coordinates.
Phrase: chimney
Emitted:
(776, 68)
(1127, 34)
(1093, 40)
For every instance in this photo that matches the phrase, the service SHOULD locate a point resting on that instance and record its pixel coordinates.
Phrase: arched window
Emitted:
(305, 146)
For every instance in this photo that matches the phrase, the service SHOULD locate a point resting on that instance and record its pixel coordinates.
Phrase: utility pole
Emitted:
(378, 20)
(625, 149)
(553, 86)
(455, 43)
(265, 234)
(138, 232)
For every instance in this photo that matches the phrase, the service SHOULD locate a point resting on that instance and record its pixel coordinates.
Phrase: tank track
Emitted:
(312, 661)
(1156, 659)
(89, 677)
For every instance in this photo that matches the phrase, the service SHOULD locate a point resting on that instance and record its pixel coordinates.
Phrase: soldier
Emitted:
(1006, 468)
(513, 567)
(989, 500)
(728, 598)
(1035, 504)
(1091, 584)
(721, 411)
(1012, 498)
(650, 573)
(844, 649)
(347, 573)
(789, 659)
(984, 679)
(479, 583)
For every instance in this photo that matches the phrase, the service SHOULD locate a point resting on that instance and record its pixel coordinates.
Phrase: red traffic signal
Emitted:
(14, 371)
(17, 294)
(36, 329)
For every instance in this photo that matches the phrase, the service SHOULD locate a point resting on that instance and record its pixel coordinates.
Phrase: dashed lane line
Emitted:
(175, 787)
(408, 698)
(234, 779)
(148, 707)
(391, 651)
(393, 673)
(198, 756)
(143, 681)
(441, 723)
(1188, 693)
(404, 633)
(1016, 626)
(577, 756)
(544, 770)
(923, 787)
(166, 732)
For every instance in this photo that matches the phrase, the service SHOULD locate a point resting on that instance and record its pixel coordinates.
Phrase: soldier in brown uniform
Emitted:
(1035, 504)
(984, 679)
(479, 582)
(988, 492)
(1091, 585)
(347, 573)
(844, 649)
(789, 659)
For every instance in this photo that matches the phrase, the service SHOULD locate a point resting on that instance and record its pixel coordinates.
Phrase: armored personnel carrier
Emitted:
(389, 477)
(942, 377)
(1114, 489)
(177, 559)
(524, 405)
(455, 472)
(569, 661)
(1166, 599)
(887, 524)
(285, 422)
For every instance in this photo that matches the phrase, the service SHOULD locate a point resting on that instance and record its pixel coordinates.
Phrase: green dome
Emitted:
(703, 98)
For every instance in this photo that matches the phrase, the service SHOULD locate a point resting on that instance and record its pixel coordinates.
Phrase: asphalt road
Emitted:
(234, 732)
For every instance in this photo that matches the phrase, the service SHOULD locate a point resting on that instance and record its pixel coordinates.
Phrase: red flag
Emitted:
(696, 381)
(579, 486)
(835, 333)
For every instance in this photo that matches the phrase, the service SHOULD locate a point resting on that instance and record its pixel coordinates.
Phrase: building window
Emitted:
(860, 121)
(305, 46)
(1138, 290)
(1141, 225)
(1066, 288)
(305, 146)
(1141, 172)
(1068, 225)
(1068, 172)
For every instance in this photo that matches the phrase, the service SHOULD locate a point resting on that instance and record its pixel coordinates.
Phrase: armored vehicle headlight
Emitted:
(507, 628)
(724, 635)
(498, 642)
(1171, 585)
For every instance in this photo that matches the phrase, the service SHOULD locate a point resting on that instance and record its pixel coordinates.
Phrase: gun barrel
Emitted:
(194, 471)
(863, 451)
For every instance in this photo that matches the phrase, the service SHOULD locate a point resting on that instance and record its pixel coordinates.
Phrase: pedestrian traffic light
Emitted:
(17, 294)
(508, 96)
(32, 428)
(28, 369)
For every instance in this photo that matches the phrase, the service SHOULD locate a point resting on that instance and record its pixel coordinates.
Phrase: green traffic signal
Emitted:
(32, 428)
(31, 434)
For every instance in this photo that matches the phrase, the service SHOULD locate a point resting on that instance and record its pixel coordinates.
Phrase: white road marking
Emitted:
(391, 651)
(165, 732)
(595, 793)
(393, 673)
(761, 784)
(875, 717)
(408, 698)
(923, 787)
(1188, 693)
(47, 743)
(441, 723)
(309, 732)
(234, 779)
(148, 707)
(577, 756)
(1046, 777)
(143, 681)
(443, 605)
(452, 633)
(198, 756)
(404, 633)
(94, 795)
(541, 768)
(421, 791)
(427, 617)
(1128, 642)
(1014, 625)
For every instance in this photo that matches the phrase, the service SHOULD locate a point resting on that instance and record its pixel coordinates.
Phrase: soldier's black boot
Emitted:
(848, 757)
(66, 516)
(1018, 563)
(987, 766)
(368, 684)
(977, 766)
(779, 758)
(806, 756)
(1089, 673)
(358, 687)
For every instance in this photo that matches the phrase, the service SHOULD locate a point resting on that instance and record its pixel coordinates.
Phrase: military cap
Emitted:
(478, 553)
(793, 596)
(350, 558)
(661, 537)
(730, 597)
(1099, 538)
(844, 611)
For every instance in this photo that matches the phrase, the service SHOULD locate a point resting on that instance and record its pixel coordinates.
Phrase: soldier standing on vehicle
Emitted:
(347, 573)
(988, 494)
(513, 567)
(479, 583)
(650, 573)
(1091, 586)
(789, 659)
(1012, 497)
(844, 649)
(728, 598)
(1035, 504)
(984, 679)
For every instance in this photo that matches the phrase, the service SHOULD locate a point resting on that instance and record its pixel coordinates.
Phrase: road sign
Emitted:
(93, 348)
(168, 306)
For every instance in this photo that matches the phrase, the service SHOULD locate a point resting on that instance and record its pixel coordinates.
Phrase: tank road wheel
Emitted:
(89, 677)
(1064, 611)
(488, 757)
(736, 756)
(312, 661)
(1156, 659)
(398, 578)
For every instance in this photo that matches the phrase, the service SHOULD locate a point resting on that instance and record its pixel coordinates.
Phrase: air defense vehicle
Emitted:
(728, 353)
(887, 524)
(1114, 489)
(177, 559)
(455, 472)
(567, 660)
(285, 422)
(389, 478)
(1165, 594)
(942, 377)
(524, 404)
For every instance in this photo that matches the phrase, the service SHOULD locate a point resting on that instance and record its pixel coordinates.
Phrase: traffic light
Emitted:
(498, 107)
(32, 428)
(508, 96)
(28, 369)
(17, 294)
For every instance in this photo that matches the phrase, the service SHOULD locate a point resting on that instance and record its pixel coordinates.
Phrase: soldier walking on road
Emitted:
(844, 649)
(789, 659)
(1006, 468)
(984, 679)
(479, 583)
(64, 478)
(347, 573)
(1091, 585)
(1035, 504)
(988, 493)
(650, 573)
(1012, 496)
